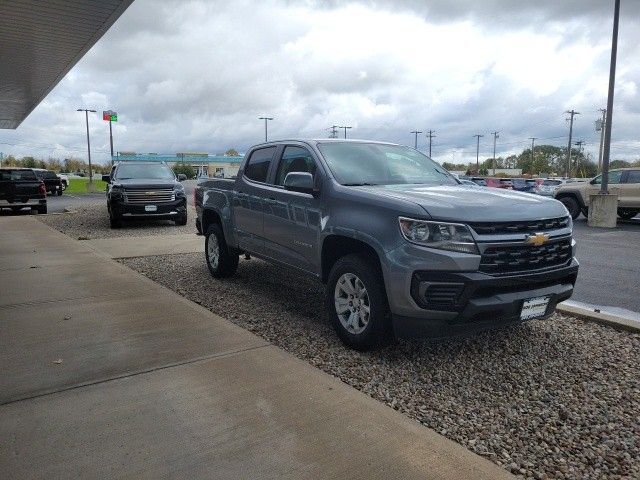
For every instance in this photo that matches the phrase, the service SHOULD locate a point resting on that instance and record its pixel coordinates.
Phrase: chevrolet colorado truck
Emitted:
(20, 188)
(402, 247)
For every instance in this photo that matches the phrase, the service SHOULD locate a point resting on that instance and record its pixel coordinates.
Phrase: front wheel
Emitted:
(59, 192)
(572, 205)
(181, 219)
(42, 209)
(627, 214)
(221, 260)
(114, 222)
(356, 302)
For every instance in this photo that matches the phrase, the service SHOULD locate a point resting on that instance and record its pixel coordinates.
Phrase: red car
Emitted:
(499, 183)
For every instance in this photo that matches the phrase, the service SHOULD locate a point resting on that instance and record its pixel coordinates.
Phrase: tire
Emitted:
(356, 283)
(627, 214)
(181, 219)
(198, 227)
(572, 205)
(64, 186)
(585, 212)
(59, 192)
(221, 260)
(114, 221)
(42, 210)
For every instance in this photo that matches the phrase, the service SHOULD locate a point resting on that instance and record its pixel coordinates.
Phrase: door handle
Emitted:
(270, 200)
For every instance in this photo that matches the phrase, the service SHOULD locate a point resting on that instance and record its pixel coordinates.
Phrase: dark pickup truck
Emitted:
(402, 247)
(52, 182)
(20, 188)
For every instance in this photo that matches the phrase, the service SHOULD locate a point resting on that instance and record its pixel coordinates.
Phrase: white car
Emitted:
(549, 185)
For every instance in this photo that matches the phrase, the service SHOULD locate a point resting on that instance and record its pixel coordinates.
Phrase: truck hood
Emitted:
(468, 204)
(145, 183)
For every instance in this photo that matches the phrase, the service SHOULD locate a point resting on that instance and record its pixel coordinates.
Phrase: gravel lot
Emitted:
(558, 398)
(92, 221)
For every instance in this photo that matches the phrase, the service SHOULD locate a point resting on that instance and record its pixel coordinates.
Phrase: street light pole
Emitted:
(266, 119)
(86, 118)
(495, 137)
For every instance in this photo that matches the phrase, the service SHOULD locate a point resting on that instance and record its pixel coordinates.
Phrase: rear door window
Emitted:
(15, 175)
(258, 164)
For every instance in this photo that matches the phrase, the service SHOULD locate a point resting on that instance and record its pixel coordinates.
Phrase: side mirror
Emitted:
(106, 178)
(299, 182)
(182, 177)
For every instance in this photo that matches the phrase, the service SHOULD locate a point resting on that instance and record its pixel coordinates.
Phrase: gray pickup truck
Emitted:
(403, 248)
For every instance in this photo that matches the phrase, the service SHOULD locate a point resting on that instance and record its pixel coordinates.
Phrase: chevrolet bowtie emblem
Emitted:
(537, 239)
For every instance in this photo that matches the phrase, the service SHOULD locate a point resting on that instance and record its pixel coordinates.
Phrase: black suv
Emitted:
(145, 190)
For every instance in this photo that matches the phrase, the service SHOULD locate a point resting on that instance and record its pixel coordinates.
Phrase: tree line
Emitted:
(547, 160)
(68, 165)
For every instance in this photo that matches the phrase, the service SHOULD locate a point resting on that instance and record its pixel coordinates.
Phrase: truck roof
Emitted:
(324, 140)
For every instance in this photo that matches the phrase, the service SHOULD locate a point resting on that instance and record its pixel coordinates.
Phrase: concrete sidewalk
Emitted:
(108, 374)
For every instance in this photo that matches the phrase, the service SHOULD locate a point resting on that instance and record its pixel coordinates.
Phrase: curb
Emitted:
(608, 319)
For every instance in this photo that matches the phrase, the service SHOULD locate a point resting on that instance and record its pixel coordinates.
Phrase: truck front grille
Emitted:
(486, 228)
(525, 258)
(152, 195)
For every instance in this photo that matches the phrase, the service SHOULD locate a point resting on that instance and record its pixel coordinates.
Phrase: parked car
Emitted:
(20, 188)
(499, 183)
(402, 248)
(548, 186)
(52, 182)
(624, 182)
(145, 190)
(524, 184)
(480, 181)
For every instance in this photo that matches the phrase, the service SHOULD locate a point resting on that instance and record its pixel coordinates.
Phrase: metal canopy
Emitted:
(40, 41)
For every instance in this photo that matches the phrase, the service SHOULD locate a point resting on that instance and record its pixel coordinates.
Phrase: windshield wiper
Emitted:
(363, 184)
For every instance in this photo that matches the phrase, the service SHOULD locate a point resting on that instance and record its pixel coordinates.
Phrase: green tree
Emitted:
(232, 152)
(184, 168)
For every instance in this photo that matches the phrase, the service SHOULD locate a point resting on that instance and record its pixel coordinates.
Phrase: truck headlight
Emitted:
(445, 236)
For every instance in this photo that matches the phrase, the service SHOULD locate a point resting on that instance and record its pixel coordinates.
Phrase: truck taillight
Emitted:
(42, 189)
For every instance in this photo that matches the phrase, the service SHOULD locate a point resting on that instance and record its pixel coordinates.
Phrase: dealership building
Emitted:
(205, 164)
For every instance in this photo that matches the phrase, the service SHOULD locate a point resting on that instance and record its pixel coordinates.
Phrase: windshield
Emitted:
(147, 171)
(379, 164)
(552, 183)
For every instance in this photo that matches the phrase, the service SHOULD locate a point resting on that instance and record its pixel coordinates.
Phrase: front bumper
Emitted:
(164, 210)
(477, 301)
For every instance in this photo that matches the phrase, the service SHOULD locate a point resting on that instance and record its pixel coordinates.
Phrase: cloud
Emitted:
(197, 75)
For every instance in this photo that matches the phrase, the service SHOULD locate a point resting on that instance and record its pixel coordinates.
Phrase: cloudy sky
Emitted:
(196, 75)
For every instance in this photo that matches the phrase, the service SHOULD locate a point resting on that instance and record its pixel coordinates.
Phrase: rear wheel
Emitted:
(221, 260)
(59, 192)
(627, 214)
(572, 205)
(356, 302)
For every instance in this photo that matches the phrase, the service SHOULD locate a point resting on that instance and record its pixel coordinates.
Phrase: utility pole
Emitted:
(266, 119)
(533, 142)
(345, 130)
(334, 131)
(431, 135)
(579, 144)
(415, 142)
(567, 172)
(478, 136)
(600, 123)
(495, 137)
(604, 186)
(86, 118)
